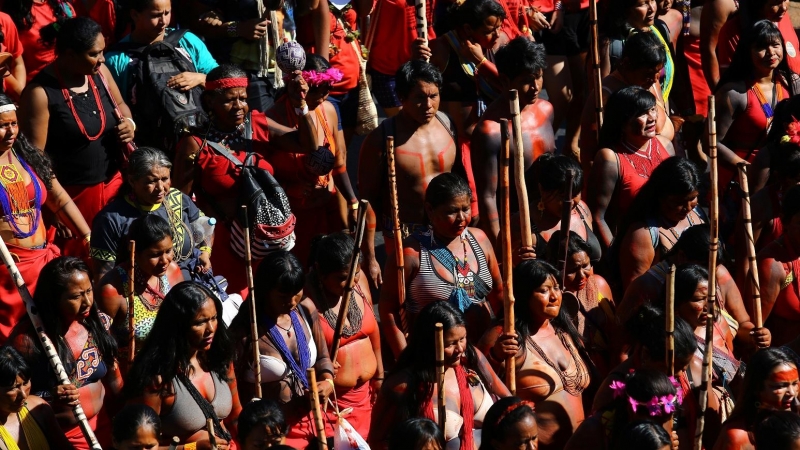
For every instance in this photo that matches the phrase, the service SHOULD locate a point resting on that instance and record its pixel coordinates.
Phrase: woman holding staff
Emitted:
(505, 241)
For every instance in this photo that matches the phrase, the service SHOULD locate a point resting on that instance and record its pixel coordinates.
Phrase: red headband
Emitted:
(226, 83)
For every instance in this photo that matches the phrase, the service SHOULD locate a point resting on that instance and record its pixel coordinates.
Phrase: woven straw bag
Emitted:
(367, 119)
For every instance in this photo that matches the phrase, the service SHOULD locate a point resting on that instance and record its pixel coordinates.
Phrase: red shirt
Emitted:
(11, 43)
(37, 55)
(345, 58)
(395, 30)
(102, 12)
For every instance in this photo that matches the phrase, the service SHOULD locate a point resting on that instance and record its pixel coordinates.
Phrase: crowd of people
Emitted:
(187, 162)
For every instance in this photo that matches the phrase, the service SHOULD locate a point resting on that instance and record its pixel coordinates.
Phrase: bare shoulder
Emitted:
(605, 155)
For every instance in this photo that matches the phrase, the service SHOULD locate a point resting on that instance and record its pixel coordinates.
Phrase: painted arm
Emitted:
(604, 177)
(771, 275)
(485, 154)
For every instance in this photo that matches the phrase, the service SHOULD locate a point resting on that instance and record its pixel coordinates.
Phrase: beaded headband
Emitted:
(656, 406)
(226, 83)
(7, 108)
(792, 133)
(512, 408)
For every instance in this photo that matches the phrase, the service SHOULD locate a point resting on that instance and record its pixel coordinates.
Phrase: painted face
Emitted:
(529, 85)
(152, 188)
(780, 388)
(522, 435)
(545, 302)
(282, 302)
(155, 260)
(230, 108)
(455, 344)
(77, 298)
(89, 62)
(694, 310)
(203, 326)
(642, 128)
(451, 218)
(144, 439)
(767, 57)
(642, 14)
(263, 437)
(422, 102)
(12, 397)
(487, 33)
(676, 207)
(774, 10)
(9, 129)
(579, 269)
(152, 21)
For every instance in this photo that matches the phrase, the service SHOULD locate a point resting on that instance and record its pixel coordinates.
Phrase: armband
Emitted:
(132, 123)
(302, 111)
(559, 6)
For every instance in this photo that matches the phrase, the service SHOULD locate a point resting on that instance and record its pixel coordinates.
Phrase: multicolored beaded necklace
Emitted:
(777, 96)
(14, 197)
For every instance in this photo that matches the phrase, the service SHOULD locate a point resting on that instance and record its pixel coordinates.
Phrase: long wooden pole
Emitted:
(566, 219)
(248, 262)
(212, 438)
(47, 344)
(670, 325)
(422, 20)
(131, 301)
(519, 170)
(351, 276)
(705, 387)
(398, 235)
(319, 425)
(505, 238)
(440, 375)
(755, 284)
(597, 77)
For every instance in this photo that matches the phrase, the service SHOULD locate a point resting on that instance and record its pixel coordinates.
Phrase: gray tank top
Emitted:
(186, 417)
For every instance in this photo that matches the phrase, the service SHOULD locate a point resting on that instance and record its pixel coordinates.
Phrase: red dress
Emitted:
(769, 235)
(394, 30)
(700, 89)
(635, 170)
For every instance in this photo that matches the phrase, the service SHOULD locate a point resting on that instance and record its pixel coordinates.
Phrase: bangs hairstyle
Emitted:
(148, 231)
(519, 57)
(12, 365)
(474, 13)
(413, 72)
(551, 173)
(331, 253)
(280, 270)
(761, 35)
(261, 413)
(687, 278)
(643, 50)
(625, 104)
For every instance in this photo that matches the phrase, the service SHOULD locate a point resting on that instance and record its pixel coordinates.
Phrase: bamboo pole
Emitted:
(440, 375)
(705, 387)
(566, 219)
(597, 77)
(351, 276)
(47, 344)
(670, 325)
(131, 302)
(519, 171)
(248, 260)
(398, 235)
(505, 238)
(422, 20)
(319, 425)
(755, 284)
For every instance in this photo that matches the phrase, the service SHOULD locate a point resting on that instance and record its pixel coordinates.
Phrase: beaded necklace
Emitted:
(298, 367)
(157, 293)
(777, 96)
(98, 101)
(14, 198)
(643, 164)
(572, 382)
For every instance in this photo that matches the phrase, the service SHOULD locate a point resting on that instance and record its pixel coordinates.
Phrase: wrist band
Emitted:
(301, 111)
(559, 6)
(206, 249)
(87, 238)
(330, 380)
(132, 123)
(480, 64)
(354, 205)
(232, 29)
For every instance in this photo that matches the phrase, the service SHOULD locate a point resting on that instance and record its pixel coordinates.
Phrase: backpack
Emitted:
(162, 114)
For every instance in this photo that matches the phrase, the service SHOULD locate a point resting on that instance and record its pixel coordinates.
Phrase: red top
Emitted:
(395, 30)
(700, 89)
(635, 170)
(11, 43)
(787, 305)
(345, 59)
(102, 12)
(368, 323)
(37, 55)
(729, 40)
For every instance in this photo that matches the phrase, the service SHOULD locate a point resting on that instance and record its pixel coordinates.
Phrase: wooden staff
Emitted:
(212, 438)
(597, 75)
(422, 20)
(248, 262)
(670, 325)
(705, 387)
(322, 440)
(519, 171)
(47, 344)
(505, 238)
(398, 235)
(566, 218)
(351, 276)
(175, 442)
(755, 284)
(131, 300)
(440, 374)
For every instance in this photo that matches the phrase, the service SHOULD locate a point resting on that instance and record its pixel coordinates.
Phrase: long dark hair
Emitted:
(758, 370)
(20, 12)
(419, 356)
(12, 365)
(646, 328)
(641, 385)
(165, 353)
(36, 159)
(77, 34)
(622, 106)
(53, 280)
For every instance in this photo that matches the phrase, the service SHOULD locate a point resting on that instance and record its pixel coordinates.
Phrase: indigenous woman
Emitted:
(360, 367)
(30, 18)
(69, 111)
(185, 369)
(418, 433)
(450, 262)
(630, 150)
(136, 427)
(645, 394)
(201, 169)
(290, 341)
(510, 424)
(779, 272)
(645, 435)
(551, 173)
(469, 382)
(149, 191)
(28, 421)
(312, 183)
(71, 319)
(663, 209)
(28, 184)
(155, 273)
(596, 318)
(770, 384)
(552, 365)
(261, 425)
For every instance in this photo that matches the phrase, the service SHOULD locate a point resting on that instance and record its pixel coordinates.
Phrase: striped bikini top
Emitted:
(429, 286)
